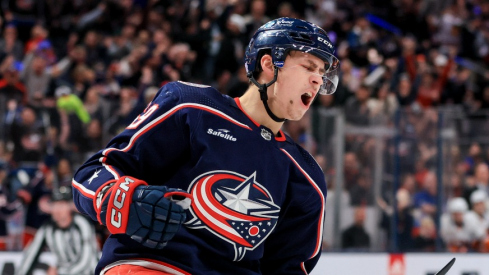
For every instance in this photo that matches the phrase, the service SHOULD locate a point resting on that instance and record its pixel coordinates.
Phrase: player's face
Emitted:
(297, 84)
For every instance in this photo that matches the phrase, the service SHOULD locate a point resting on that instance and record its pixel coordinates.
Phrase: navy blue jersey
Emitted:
(258, 200)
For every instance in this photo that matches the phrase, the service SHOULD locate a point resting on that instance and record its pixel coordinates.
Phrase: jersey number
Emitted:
(142, 117)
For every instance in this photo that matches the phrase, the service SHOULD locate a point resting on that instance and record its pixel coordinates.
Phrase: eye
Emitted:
(309, 68)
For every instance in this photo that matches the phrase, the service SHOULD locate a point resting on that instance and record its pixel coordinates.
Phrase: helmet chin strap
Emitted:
(262, 88)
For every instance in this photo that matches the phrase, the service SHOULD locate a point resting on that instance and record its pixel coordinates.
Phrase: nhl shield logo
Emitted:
(233, 207)
(266, 134)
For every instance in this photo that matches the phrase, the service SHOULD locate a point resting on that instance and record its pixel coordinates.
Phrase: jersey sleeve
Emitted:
(148, 149)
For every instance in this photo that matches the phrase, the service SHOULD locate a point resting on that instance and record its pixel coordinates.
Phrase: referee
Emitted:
(68, 235)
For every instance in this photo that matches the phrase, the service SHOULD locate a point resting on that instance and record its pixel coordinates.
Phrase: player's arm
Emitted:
(111, 186)
(32, 252)
(294, 247)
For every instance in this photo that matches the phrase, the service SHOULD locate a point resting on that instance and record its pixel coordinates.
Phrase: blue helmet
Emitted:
(285, 34)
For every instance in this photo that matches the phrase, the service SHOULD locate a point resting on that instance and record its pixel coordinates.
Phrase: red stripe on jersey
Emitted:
(236, 99)
(321, 195)
(166, 115)
(112, 170)
(261, 190)
(84, 191)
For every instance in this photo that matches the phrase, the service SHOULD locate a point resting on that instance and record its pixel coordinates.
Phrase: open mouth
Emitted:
(306, 98)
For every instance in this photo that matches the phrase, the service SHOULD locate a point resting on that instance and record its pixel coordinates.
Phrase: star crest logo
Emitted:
(233, 207)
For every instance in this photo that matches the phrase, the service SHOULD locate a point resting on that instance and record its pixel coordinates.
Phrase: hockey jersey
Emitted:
(258, 199)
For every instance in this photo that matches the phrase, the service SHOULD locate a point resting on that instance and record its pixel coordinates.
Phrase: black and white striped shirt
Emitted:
(75, 247)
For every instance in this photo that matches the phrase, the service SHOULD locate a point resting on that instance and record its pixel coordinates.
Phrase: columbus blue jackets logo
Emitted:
(233, 207)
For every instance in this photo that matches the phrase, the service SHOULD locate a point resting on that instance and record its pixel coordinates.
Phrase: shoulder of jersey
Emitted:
(197, 93)
(305, 157)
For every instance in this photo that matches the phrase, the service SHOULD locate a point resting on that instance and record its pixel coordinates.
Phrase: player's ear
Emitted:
(267, 67)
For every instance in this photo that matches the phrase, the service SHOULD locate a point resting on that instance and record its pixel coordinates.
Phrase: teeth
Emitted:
(309, 94)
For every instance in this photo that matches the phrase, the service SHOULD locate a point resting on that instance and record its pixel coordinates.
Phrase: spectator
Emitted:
(408, 182)
(361, 193)
(473, 157)
(382, 108)
(64, 172)
(96, 106)
(404, 222)
(8, 206)
(256, 18)
(479, 182)
(71, 104)
(355, 237)
(480, 213)
(10, 44)
(426, 237)
(425, 199)
(35, 197)
(356, 108)
(352, 169)
(38, 74)
(38, 35)
(26, 134)
(459, 231)
(96, 52)
(404, 91)
(122, 117)
(11, 87)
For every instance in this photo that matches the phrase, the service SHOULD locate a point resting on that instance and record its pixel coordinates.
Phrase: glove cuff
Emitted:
(120, 199)
(101, 198)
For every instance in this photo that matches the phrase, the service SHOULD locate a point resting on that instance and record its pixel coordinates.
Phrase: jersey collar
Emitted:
(281, 135)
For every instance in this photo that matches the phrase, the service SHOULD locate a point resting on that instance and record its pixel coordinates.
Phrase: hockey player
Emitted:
(257, 198)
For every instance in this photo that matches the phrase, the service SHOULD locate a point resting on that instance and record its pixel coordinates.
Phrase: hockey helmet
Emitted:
(457, 205)
(285, 34)
(64, 193)
(478, 196)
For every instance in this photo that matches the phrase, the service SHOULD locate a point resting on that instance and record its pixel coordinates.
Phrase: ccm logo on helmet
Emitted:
(119, 198)
(326, 42)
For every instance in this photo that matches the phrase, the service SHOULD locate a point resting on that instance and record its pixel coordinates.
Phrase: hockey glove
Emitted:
(150, 215)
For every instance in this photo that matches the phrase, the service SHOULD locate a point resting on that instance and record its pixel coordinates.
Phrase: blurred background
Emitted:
(403, 143)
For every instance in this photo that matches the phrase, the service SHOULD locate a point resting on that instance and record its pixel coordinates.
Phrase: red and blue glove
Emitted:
(149, 214)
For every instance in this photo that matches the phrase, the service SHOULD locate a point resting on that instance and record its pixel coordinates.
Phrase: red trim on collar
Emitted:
(280, 137)
(236, 99)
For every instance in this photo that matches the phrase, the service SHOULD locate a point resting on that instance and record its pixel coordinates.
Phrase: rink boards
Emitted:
(340, 263)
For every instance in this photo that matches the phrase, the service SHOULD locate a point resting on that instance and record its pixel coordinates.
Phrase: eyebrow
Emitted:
(314, 65)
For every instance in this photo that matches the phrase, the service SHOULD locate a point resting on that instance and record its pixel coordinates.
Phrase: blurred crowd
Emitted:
(75, 73)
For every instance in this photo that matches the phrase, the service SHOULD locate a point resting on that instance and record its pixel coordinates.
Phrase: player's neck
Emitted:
(253, 106)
